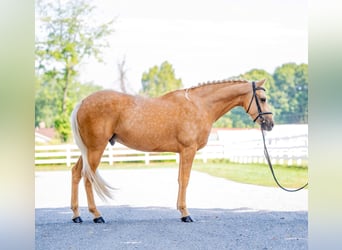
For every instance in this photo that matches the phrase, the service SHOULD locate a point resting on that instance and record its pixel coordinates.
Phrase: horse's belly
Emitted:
(149, 142)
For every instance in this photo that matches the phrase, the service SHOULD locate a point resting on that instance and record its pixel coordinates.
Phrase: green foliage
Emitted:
(159, 80)
(290, 98)
(45, 100)
(66, 34)
(62, 124)
(258, 74)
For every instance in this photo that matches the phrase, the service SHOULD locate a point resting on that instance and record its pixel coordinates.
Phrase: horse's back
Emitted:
(106, 97)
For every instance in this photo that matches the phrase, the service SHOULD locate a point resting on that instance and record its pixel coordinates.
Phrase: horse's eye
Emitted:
(263, 99)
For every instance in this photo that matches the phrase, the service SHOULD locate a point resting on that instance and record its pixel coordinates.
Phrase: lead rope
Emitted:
(271, 167)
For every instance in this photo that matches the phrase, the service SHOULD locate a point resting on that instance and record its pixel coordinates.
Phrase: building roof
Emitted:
(44, 134)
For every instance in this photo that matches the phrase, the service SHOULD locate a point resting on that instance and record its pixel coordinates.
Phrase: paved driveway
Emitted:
(227, 215)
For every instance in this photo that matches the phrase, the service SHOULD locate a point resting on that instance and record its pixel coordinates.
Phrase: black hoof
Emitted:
(99, 220)
(77, 220)
(186, 219)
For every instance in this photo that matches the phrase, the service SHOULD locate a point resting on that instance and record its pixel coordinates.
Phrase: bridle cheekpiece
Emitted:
(260, 113)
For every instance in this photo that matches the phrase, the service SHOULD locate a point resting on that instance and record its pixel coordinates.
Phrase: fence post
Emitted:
(147, 158)
(299, 162)
(68, 155)
(290, 156)
(204, 156)
(226, 151)
(110, 155)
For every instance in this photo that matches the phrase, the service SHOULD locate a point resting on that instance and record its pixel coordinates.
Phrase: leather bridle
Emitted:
(260, 113)
(267, 156)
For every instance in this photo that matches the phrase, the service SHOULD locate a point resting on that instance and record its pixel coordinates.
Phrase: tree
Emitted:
(121, 66)
(65, 36)
(159, 80)
(301, 85)
(291, 97)
(259, 74)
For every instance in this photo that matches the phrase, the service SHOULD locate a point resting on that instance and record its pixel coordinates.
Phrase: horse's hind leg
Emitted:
(75, 180)
(94, 158)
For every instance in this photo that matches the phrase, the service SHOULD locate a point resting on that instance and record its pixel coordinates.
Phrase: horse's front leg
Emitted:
(186, 158)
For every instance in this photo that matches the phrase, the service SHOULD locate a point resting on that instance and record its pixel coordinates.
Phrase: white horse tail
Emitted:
(102, 189)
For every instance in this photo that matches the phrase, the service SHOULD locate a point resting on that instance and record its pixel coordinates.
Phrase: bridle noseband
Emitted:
(260, 113)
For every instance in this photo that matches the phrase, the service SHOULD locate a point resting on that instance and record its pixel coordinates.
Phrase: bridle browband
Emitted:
(260, 113)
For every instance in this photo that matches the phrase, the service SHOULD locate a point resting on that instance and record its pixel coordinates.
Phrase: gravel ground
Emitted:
(227, 215)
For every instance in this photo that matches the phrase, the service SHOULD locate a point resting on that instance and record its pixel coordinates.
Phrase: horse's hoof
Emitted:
(187, 219)
(99, 220)
(77, 219)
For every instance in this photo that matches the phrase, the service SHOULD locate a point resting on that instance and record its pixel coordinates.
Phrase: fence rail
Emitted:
(243, 152)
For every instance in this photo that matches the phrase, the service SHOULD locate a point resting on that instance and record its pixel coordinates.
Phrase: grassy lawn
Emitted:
(258, 174)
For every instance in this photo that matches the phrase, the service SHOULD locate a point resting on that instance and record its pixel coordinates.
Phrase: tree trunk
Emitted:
(65, 88)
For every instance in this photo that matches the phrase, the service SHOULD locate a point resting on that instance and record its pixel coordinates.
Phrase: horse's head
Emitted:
(257, 107)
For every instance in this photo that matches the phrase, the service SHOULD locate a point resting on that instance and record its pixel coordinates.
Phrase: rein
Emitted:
(267, 156)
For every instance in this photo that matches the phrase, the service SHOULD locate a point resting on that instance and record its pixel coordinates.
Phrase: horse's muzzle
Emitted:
(266, 124)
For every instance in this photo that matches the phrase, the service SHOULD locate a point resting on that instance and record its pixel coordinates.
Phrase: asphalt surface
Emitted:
(227, 215)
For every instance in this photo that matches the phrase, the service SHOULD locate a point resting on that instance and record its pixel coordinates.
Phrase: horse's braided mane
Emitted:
(231, 81)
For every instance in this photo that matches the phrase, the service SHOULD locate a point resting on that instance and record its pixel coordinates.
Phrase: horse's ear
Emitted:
(260, 83)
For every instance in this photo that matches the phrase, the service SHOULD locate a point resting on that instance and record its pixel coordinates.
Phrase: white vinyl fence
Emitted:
(287, 150)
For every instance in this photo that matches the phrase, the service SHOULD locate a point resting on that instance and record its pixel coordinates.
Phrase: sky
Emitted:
(203, 40)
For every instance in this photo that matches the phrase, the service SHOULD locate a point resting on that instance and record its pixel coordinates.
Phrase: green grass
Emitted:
(258, 174)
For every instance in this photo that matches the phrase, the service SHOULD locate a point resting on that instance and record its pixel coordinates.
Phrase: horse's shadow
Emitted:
(159, 228)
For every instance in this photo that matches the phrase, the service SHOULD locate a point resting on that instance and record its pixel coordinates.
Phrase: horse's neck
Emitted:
(221, 98)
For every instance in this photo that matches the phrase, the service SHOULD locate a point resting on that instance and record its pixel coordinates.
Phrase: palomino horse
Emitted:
(179, 121)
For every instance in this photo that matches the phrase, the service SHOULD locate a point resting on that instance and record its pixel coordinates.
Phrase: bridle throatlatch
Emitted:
(267, 156)
(260, 113)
